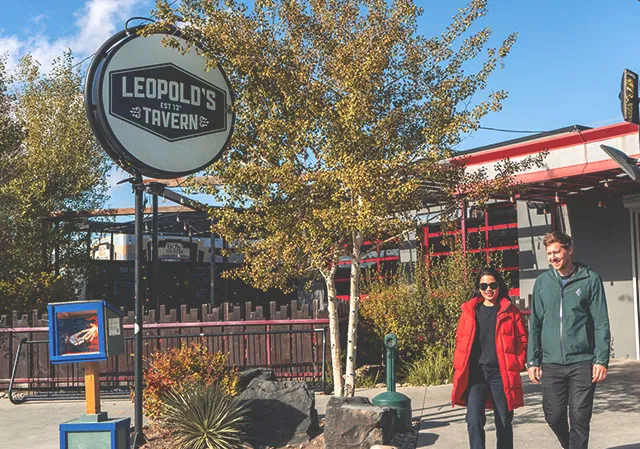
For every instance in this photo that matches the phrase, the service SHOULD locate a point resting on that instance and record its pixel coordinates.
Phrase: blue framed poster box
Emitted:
(109, 434)
(84, 331)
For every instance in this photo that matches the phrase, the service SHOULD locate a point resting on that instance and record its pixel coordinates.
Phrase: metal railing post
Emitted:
(324, 355)
(13, 372)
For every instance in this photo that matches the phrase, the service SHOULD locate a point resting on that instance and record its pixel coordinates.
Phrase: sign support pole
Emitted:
(138, 436)
(92, 387)
(125, 127)
(155, 264)
(212, 269)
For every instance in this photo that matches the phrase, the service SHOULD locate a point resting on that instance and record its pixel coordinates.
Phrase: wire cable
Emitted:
(510, 130)
(90, 56)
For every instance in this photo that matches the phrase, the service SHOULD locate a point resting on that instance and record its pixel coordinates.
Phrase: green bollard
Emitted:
(397, 401)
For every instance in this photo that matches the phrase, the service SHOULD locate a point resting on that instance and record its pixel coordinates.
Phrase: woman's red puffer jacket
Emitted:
(511, 348)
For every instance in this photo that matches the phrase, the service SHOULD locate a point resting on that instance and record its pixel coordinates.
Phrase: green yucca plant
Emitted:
(204, 417)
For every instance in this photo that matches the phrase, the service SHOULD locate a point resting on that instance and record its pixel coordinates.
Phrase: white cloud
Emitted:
(45, 51)
(98, 20)
(11, 47)
(90, 27)
(40, 18)
(114, 176)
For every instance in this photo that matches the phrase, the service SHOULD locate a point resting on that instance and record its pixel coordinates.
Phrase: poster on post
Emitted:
(78, 332)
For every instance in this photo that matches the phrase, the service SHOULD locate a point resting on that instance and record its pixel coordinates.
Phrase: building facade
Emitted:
(578, 190)
(584, 193)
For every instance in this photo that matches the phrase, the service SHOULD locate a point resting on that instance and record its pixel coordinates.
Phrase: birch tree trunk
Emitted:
(354, 302)
(334, 331)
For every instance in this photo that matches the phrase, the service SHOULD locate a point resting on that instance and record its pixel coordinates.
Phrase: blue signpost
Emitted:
(88, 332)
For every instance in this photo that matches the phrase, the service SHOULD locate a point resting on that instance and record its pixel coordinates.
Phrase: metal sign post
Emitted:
(138, 436)
(160, 112)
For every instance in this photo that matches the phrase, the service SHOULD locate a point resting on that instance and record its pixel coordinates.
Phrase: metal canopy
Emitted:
(601, 185)
(189, 218)
(169, 223)
(179, 220)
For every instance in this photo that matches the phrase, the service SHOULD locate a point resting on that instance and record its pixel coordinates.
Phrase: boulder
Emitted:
(246, 376)
(281, 413)
(352, 422)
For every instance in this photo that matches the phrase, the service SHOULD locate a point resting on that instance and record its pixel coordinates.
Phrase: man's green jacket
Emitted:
(568, 324)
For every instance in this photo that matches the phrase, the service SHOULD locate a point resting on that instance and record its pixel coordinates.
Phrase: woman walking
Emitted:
(491, 348)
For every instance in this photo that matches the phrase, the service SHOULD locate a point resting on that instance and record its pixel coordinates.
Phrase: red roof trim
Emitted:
(552, 143)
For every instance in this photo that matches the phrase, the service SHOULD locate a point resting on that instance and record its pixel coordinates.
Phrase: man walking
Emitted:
(569, 340)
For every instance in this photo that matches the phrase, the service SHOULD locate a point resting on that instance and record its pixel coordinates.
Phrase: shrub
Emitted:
(204, 417)
(422, 307)
(177, 368)
(368, 376)
(435, 367)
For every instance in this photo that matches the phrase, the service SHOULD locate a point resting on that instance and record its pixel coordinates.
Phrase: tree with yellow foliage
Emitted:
(49, 162)
(345, 118)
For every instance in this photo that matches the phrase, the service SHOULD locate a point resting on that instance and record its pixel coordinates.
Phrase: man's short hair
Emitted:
(557, 237)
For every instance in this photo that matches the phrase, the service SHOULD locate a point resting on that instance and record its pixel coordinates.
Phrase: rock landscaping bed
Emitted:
(284, 416)
(160, 439)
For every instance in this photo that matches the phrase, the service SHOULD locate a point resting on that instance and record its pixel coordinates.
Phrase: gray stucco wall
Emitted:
(533, 257)
(602, 239)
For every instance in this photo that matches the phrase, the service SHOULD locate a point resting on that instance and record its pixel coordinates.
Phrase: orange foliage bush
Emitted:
(178, 367)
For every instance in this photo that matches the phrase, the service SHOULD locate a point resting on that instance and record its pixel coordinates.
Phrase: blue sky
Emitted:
(565, 68)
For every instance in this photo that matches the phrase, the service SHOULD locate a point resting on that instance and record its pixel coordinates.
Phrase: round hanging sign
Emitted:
(155, 110)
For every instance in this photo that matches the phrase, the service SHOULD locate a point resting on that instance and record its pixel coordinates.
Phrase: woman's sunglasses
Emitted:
(493, 285)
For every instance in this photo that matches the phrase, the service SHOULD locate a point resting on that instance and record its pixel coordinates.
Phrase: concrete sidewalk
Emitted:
(615, 423)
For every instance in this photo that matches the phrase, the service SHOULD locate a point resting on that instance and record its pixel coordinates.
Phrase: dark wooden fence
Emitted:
(288, 338)
(282, 338)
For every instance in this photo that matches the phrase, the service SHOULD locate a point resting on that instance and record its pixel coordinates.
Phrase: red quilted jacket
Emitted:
(511, 348)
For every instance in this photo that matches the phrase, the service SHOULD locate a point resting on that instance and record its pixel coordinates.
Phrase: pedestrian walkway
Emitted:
(615, 423)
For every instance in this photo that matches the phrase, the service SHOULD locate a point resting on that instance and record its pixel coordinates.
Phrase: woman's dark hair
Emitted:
(490, 271)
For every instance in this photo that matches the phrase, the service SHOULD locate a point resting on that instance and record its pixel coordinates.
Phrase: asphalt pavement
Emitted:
(615, 423)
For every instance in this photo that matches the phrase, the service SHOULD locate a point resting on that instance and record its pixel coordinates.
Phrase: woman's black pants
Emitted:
(485, 383)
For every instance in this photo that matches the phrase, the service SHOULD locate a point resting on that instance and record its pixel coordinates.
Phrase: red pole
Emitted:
(268, 345)
(486, 235)
(463, 225)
